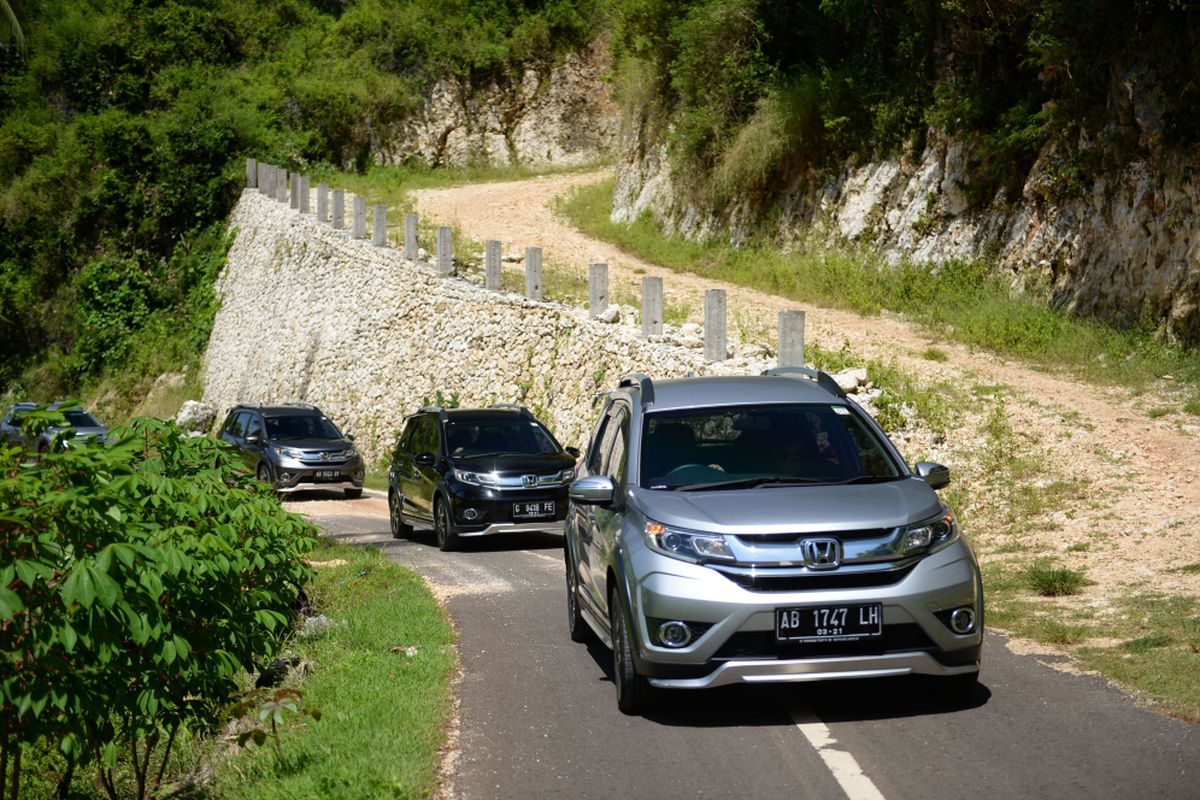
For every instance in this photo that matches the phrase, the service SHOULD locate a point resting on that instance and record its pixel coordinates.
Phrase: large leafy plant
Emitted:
(139, 578)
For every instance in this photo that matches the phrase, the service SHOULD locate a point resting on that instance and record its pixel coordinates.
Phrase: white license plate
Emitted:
(327, 474)
(541, 509)
(829, 623)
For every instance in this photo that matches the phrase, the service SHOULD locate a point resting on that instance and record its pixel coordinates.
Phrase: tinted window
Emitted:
(80, 419)
(469, 438)
(616, 458)
(425, 437)
(811, 442)
(301, 426)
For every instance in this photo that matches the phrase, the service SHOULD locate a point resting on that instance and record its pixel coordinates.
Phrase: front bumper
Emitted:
(736, 626)
(293, 477)
(482, 511)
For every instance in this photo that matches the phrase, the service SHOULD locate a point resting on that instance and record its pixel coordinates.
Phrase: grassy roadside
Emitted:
(961, 301)
(380, 675)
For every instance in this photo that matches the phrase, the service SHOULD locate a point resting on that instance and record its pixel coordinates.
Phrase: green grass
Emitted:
(962, 301)
(383, 712)
(1048, 580)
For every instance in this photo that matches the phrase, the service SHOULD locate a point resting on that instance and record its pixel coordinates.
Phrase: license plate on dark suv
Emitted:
(825, 623)
(541, 509)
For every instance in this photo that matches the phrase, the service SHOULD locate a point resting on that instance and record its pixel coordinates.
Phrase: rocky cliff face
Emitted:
(1126, 247)
(561, 115)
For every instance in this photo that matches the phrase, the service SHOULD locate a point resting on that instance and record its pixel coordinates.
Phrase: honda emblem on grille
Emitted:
(529, 480)
(821, 553)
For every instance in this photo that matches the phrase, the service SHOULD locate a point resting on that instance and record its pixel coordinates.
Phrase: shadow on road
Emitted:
(496, 543)
(833, 701)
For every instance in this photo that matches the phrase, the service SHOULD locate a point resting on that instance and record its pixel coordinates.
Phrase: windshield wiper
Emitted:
(748, 483)
(866, 479)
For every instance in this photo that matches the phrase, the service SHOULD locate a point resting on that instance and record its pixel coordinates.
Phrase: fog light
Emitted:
(285, 477)
(470, 514)
(674, 634)
(962, 620)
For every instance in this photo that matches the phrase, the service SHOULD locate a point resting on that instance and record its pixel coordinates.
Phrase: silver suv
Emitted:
(763, 529)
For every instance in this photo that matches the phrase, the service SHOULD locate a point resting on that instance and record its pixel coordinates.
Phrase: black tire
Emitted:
(264, 475)
(447, 536)
(576, 626)
(353, 493)
(633, 690)
(399, 529)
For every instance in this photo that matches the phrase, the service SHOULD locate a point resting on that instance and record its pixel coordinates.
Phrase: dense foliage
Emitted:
(755, 91)
(138, 581)
(123, 129)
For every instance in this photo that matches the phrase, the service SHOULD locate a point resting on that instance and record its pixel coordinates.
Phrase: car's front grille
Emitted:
(763, 644)
(764, 581)
(793, 538)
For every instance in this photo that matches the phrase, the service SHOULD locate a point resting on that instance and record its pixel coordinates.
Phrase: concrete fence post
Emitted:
(281, 185)
(305, 184)
(791, 338)
(322, 202)
(410, 237)
(533, 273)
(491, 265)
(294, 186)
(360, 217)
(652, 306)
(597, 289)
(251, 173)
(337, 217)
(714, 325)
(379, 227)
(265, 178)
(445, 251)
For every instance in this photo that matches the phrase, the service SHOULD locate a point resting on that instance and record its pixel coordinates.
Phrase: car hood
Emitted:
(793, 509)
(515, 464)
(80, 432)
(314, 444)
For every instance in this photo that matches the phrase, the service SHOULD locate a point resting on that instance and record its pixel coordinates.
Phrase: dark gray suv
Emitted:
(294, 447)
(762, 529)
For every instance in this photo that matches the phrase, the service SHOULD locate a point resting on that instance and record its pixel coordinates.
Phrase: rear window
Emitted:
(816, 443)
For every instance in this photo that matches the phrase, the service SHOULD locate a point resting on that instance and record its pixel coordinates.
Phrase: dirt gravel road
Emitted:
(1111, 476)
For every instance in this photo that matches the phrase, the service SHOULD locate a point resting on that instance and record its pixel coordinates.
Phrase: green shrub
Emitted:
(1051, 581)
(140, 579)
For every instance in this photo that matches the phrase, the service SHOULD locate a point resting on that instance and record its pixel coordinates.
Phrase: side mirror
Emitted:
(424, 460)
(253, 438)
(573, 452)
(594, 490)
(349, 437)
(937, 476)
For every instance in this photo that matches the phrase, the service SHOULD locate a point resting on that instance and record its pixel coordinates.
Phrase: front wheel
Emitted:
(633, 690)
(399, 529)
(576, 626)
(447, 536)
(264, 475)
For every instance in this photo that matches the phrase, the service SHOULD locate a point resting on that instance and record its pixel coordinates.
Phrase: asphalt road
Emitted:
(539, 715)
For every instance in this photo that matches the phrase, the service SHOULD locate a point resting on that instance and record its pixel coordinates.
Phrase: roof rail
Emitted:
(512, 407)
(643, 382)
(298, 404)
(823, 379)
(429, 410)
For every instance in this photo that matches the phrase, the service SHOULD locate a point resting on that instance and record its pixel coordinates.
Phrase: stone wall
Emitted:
(310, 314)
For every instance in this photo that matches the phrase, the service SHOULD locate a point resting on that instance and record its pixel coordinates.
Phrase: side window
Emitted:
(238, 428)
(253, 424)
(404, 442)
(615, 460)
(595, 452)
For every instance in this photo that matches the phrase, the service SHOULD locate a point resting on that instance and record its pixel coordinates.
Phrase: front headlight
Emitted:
(567, 475)
(475, 478)
(686, 545)
(349, 453)
(930, 535)
(287, 452)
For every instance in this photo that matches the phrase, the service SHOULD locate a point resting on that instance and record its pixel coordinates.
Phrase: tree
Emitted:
(10, 28)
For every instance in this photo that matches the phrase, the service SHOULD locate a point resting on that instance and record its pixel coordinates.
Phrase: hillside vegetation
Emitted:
(123, 129)
(124, 125)
(751, 93)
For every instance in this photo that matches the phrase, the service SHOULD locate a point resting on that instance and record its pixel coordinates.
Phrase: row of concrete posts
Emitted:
(295, 189)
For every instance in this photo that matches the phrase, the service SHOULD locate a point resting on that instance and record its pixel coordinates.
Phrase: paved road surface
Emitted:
(539, 715)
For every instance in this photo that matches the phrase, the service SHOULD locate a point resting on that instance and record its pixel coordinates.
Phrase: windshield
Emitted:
(80, 419)
(472, 438)
(301, 426)
(739, 447)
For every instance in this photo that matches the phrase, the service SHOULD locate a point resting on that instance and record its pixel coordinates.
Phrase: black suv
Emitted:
(294, 447)
(475, 472)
